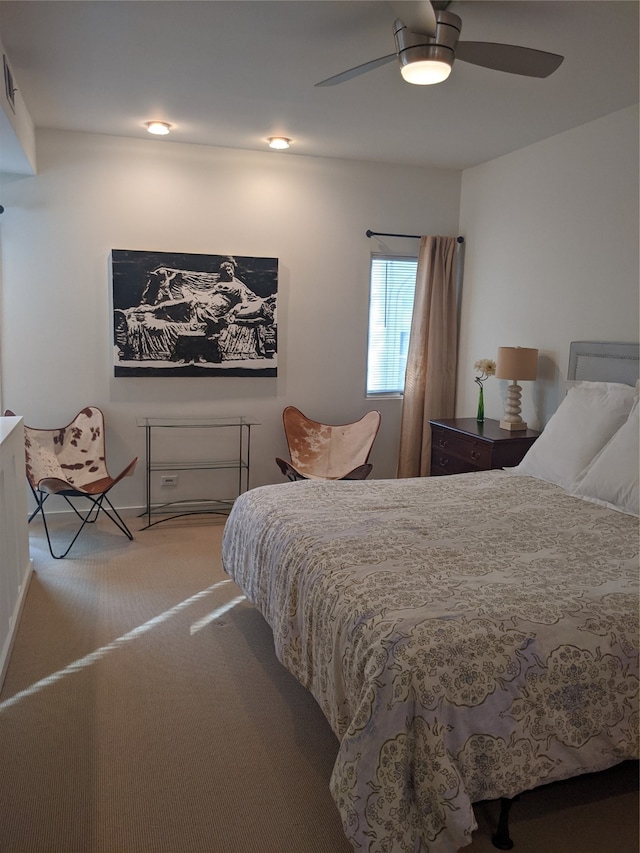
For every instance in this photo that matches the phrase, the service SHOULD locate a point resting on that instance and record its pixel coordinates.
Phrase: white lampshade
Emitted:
(516, 364)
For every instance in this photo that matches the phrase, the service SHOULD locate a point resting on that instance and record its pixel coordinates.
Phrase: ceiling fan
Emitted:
(426, 39)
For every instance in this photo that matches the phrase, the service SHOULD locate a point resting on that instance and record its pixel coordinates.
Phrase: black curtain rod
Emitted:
(410, 236)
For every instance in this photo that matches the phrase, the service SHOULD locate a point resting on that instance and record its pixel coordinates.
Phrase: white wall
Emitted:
(15, 565)
(551, 256)
(97, 193)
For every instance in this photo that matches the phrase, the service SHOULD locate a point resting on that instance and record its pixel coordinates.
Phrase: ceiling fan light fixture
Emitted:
(426, 72)
(426, 60)
(158, 128)
(280, 143)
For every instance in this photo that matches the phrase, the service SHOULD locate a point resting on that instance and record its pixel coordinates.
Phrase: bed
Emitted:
(468, 637)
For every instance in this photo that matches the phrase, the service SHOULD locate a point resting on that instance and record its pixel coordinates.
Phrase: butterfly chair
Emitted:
(70, 461)
(324, 452)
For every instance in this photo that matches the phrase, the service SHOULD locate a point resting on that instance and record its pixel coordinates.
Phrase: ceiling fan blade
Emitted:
(357, 71)
(509, 58)
(417, 15)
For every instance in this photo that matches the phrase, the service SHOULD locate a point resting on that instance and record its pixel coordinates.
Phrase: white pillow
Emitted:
(583, 423)
(612, 477)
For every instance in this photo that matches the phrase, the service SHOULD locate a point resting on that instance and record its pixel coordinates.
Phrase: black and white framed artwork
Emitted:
(193, 315)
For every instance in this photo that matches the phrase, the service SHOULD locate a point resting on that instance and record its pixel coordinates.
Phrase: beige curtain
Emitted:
(430, 383)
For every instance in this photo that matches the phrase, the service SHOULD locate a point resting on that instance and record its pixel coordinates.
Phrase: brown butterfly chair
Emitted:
(325, 452)
(70, 461)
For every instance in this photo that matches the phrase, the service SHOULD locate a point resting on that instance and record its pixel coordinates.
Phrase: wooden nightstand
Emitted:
(460, 445)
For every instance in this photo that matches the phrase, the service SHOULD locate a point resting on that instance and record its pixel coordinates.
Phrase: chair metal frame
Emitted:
(94, 490)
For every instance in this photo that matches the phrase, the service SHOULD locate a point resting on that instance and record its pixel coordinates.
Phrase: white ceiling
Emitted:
(232, 73)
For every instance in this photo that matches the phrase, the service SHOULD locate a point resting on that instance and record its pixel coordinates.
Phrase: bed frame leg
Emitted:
(501, 838)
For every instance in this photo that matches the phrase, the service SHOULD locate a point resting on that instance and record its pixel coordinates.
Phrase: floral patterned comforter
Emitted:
(467, 638)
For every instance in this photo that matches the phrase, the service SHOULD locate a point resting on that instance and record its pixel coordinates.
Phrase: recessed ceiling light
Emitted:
(159, 128)
(279, 142)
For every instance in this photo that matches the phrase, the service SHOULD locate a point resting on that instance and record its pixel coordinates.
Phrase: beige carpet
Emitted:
(140, 714)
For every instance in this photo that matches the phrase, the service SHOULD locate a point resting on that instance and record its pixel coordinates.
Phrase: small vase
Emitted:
(480, 415)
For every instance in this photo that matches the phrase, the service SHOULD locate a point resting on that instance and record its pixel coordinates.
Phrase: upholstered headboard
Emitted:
(604, 361)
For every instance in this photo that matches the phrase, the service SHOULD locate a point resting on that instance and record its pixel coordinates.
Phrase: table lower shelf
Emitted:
(178, 509)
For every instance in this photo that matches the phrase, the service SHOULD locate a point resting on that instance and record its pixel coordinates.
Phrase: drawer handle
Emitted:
(475, 455)
(443, 463)
(442, 442)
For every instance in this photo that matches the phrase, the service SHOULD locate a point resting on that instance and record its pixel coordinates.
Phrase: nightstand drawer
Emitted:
(445, 463)
(471, 450)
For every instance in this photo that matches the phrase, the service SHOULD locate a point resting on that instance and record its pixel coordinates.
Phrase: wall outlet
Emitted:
(169, 480)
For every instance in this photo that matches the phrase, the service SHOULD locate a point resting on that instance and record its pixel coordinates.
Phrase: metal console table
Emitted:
(178, 508)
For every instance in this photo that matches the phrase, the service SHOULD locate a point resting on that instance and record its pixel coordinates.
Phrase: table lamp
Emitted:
(515, 363)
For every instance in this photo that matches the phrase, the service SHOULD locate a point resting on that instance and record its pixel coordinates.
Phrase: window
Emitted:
(393, 282)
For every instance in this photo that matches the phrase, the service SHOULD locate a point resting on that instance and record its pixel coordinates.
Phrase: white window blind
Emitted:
(393, 281)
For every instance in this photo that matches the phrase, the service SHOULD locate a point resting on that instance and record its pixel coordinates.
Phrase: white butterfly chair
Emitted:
(328, 452)
(70, 461)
